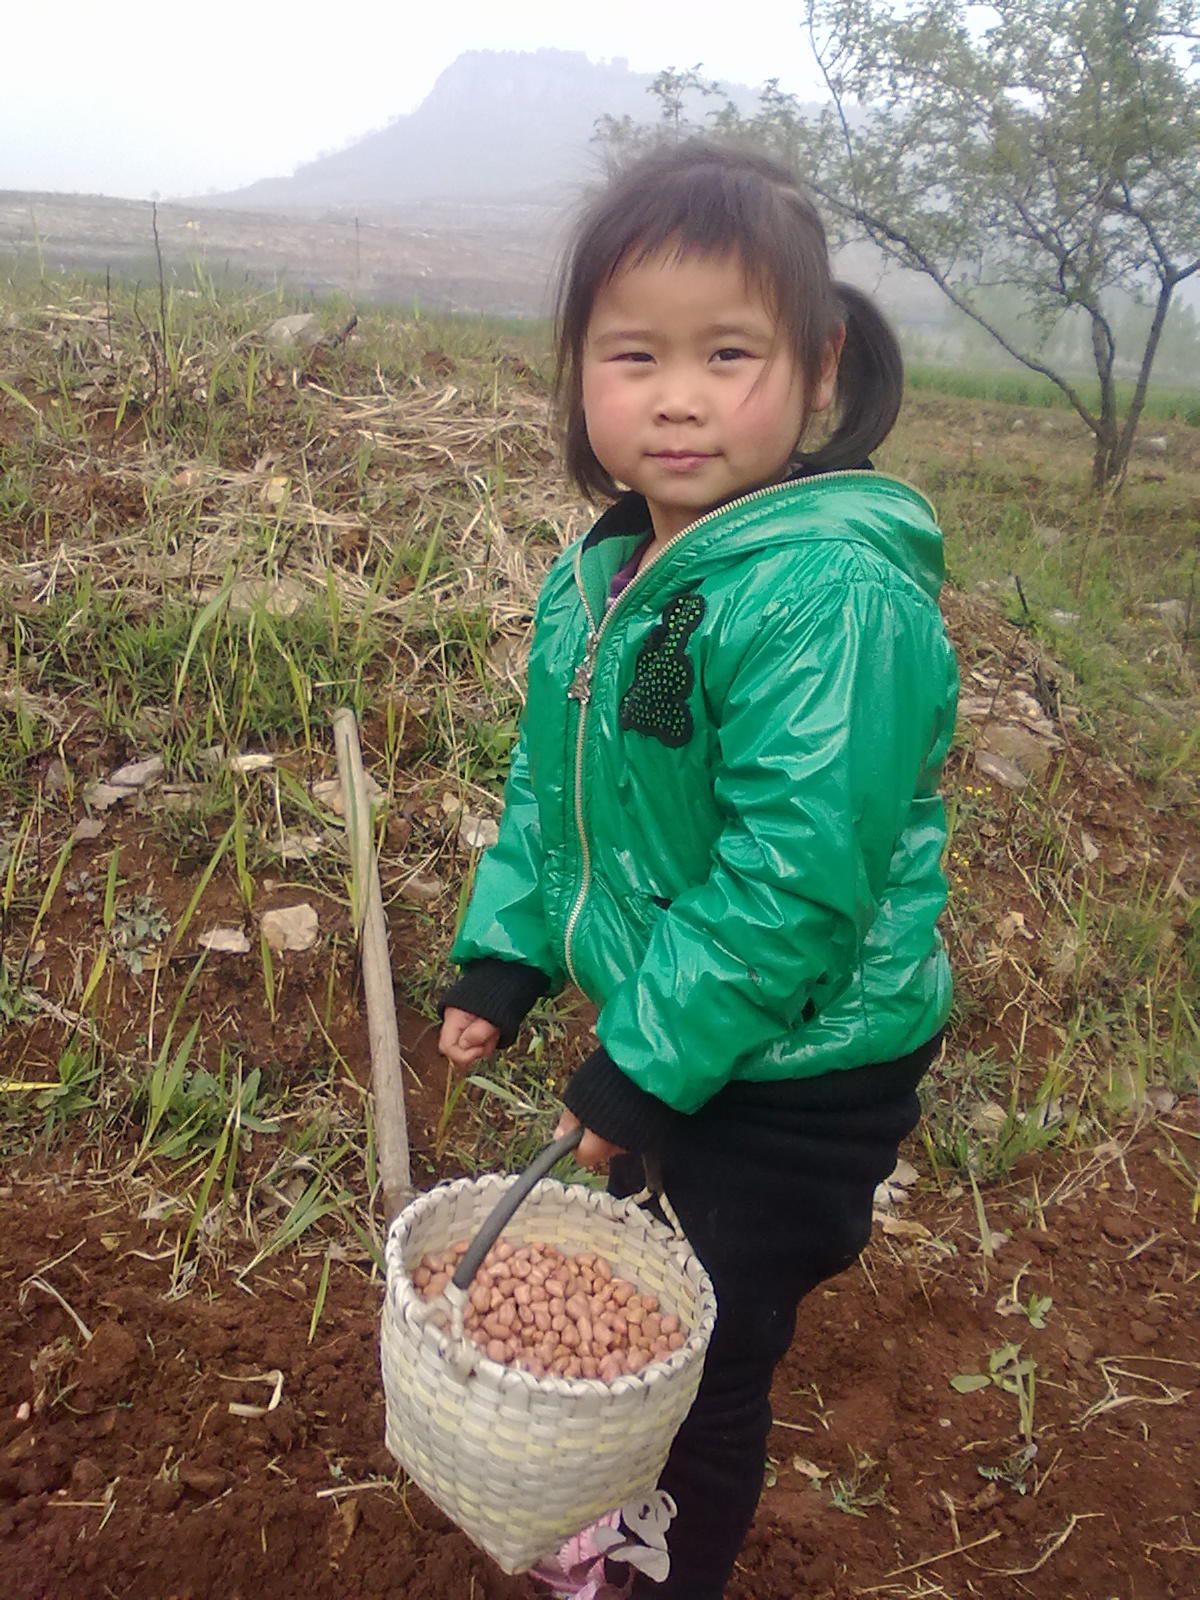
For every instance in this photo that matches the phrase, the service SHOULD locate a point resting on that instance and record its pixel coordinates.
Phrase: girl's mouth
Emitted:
(680, 460)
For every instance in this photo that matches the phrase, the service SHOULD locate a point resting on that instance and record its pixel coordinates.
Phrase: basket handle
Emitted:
(493, 1224)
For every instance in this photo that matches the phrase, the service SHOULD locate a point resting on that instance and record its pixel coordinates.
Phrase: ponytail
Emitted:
(870, 385)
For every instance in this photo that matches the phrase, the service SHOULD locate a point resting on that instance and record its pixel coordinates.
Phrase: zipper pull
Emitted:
(581, 684)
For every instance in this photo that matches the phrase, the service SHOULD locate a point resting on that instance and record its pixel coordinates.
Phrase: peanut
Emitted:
(535, 1309)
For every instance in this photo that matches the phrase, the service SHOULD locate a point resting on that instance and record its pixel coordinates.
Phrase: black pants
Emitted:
(773, 1185)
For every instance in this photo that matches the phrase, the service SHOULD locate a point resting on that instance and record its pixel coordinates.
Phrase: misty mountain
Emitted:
(497, 125)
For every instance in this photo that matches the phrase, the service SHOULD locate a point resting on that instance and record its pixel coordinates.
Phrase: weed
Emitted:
(15, 1003)
(79, 1069)
(137, 929)
(1014, 1374)
(855, 1492)
(1013, 1471)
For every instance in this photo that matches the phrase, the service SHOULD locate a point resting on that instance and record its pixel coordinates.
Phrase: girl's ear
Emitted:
(825, 387)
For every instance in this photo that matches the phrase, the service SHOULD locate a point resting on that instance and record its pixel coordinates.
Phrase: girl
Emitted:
(722, 820)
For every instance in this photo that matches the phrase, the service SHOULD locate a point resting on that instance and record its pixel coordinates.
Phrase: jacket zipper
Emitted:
(581, 687)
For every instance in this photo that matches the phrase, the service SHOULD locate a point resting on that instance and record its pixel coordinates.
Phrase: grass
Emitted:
(1164, 402)
(212, 544)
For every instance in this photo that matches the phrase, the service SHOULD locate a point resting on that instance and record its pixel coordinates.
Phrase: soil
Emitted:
(130, 1477)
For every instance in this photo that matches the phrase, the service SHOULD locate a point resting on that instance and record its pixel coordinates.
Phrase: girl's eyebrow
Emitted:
(737, 330)
(624, 336)
(716, 330)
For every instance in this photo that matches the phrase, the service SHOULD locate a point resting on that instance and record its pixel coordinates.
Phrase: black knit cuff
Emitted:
(501, 992)
(609, 1103)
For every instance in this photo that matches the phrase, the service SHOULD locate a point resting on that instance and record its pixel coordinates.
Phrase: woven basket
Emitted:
(522, 1463)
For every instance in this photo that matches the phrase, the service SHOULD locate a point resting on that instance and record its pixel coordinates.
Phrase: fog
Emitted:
(166, 99)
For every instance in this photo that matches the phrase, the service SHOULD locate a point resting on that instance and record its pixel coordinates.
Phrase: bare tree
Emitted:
(1044, 148)
(1053, 150)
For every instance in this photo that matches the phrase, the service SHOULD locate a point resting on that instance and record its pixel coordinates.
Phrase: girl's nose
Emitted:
(678, 401)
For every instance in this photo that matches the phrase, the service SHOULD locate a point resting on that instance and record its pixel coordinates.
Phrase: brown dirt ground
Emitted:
(131, 1478)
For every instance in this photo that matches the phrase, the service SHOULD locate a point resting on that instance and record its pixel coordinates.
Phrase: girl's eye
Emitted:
(731, 354)
(634, 355)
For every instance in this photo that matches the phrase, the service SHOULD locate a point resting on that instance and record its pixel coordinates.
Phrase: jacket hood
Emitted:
(862, 507)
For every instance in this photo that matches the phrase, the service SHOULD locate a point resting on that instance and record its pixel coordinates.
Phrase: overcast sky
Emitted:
(142, 97)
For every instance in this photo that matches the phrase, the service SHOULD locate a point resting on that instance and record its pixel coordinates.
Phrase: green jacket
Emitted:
(722, 819)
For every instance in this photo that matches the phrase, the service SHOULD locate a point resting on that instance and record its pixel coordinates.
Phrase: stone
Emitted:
(164, 1494)
(422, 889)
(1001, 769)
(1080, 1349)
(1172, 614)
(207, 1481)
(478, 833)
(304, 328)
(225, 941)
(1030, 752)
(291, 927)
(137, 774)
(87, 1477)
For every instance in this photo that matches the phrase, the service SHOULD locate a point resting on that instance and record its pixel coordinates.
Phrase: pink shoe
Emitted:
(635, 1535)
(577, 1569)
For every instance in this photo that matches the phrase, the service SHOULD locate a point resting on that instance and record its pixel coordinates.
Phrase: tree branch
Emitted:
(899, 246)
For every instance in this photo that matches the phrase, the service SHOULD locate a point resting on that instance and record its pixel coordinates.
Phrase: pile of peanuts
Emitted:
(568, 1316)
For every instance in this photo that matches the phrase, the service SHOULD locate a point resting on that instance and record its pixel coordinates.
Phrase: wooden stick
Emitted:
(370, 927)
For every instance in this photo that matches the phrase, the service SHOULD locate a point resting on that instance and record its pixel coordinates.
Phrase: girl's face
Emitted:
(691, 393)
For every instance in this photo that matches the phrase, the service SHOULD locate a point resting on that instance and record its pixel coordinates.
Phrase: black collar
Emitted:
(630, 513)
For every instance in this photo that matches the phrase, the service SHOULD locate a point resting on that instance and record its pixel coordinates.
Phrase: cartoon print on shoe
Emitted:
(635, 1536)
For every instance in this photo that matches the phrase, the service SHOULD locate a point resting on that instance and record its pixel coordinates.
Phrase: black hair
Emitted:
(706, 199)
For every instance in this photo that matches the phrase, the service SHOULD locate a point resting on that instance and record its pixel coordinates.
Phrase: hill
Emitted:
(511, 124)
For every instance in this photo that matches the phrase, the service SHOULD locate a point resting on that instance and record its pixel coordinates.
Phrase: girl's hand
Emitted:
(593, 1152)
(466, 1038)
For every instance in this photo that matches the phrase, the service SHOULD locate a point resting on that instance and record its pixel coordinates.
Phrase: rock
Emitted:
(1080, 1349)
(87, 829)
(304, 328)
(291, 927)
(1030, 752)
(164, 1494)
(989, 1117)
(1160, 1099)
(137, 774)
(1117, 1228)
(101, 796)
(1048, 536)
(422, 889)
(87, 1477)
(329, 792)
(478, 833)
(1171, 613)
(1063, 619)
(1156, 445)
(207, 1481)
(1017, 425)
(109, 1359)
(278, 597)
(298, 846)
(1142, 1333)
(55, 778)
(224, 941)
(1001, 769)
